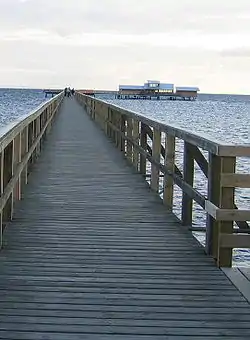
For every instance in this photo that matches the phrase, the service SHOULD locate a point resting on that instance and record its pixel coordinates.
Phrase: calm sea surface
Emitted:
(222, 117)
(14, 103)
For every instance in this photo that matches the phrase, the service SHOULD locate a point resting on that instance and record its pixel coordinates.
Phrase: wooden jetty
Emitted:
(91, 251)
(51, 92)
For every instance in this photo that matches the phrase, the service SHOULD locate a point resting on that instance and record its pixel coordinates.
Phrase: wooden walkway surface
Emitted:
(93, 254)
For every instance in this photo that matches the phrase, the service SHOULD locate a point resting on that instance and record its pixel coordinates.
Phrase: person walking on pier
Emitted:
(68, 92)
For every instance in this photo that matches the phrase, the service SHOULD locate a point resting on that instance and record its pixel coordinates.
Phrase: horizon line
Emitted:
(56, 88)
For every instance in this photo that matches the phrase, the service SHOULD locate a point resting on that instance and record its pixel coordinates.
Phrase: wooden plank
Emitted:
(234, 241)
(234, 150)
(246, 272)
(156, 149)
(214, 196)
(1, 191)
(136, 138)
(143, 145)
(91, 242)
(188, 177)
(239, 280)
(227, 202)
(232, 215)
(199, 158)
(169, 162)
(129, 153)
(235, 180)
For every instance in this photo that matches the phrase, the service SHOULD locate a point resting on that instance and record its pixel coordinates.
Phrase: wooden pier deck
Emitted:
(92, 253)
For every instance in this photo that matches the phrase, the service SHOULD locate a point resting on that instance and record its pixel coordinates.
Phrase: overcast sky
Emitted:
(101, 43)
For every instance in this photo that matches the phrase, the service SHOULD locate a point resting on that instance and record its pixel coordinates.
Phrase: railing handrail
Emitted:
(143, 140)
(8, 132)
(20, 145)
(215, 146)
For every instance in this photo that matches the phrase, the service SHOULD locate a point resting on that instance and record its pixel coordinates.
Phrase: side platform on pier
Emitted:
(92, 253)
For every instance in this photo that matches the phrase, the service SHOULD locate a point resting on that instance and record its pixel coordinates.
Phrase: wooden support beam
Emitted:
(136, 138)
(227, 202)
(214, 196)
(129, 152)
(143, 145)
(169, 162)
(188, 177)
(156, 153)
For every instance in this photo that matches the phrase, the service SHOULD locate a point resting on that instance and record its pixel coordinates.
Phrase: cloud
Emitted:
(99, 43)
(236, 52)
(215, 42)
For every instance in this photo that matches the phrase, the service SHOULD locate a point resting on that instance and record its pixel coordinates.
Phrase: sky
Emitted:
(103, 43)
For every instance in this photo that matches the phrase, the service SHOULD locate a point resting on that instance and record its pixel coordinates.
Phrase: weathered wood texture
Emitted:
(92, 253)
(143, 145)
(20, 145)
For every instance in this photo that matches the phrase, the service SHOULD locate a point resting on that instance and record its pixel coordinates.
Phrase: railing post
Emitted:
(25, 149)
(214, 196)
(7, 175)
(16, 161)
(136, 136)
(156, 154)
(188, 176)
(113, 123)
(31, 139)
(118, 133)
(108, 121)
(169, 162)
(116, 124)
(102, 116)
(49, 110)
(105, 115)
(93, 109)
(123, 131)
(38, 130)
(129, 144)
(227, 202)
(143, 144)
(2, 190)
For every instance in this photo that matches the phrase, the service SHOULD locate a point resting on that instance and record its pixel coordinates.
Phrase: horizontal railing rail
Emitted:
(143, 140)
(20, 145)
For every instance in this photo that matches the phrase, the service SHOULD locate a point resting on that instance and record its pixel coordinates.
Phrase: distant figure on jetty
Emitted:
(73, 91)
(67, 92)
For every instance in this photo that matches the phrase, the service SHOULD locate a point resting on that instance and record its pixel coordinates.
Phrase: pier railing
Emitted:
(20, 145)
(143, 140)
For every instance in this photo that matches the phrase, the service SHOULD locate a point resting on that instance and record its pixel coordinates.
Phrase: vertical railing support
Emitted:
(7, 175)
(25, 149)
(143, 144)
(156, 153)
(136, 136)
(228, 165)
(214, 196)
(188, 176)
(169, 162)
(1, 190)
(123, 131)
(129, 144)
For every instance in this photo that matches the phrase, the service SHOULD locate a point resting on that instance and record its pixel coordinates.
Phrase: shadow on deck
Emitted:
(93, 254)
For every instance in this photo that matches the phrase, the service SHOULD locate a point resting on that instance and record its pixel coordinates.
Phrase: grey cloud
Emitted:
(126, 16)
(239, 52)
(106, 66)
